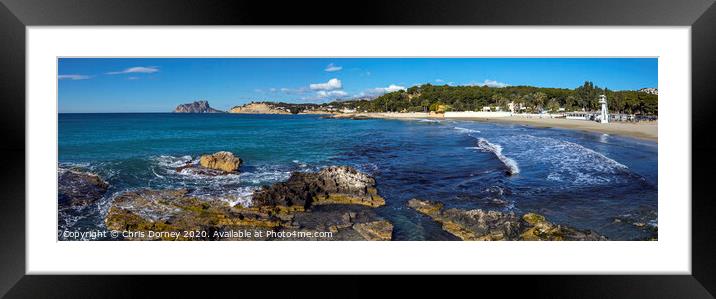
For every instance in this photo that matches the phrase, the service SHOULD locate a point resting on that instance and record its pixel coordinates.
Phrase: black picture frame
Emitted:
(16, 15)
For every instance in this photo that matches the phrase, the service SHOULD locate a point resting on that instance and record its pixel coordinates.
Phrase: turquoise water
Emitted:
(585, 180)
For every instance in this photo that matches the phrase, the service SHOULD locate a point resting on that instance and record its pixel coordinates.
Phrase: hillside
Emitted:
(529, 99)
(260, 108)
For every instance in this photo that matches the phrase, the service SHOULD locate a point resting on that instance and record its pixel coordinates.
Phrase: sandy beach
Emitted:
(644, 130)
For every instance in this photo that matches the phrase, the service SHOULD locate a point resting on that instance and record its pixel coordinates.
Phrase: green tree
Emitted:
(553, 106)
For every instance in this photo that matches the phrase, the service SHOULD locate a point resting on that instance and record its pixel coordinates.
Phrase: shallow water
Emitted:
(585, 180)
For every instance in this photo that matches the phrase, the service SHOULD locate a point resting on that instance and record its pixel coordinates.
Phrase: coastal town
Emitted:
(590, 115)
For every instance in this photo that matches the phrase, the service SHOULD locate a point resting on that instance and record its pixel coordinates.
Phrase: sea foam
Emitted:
(569, 162)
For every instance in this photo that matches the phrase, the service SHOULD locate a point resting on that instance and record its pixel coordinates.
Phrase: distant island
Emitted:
(196, 107)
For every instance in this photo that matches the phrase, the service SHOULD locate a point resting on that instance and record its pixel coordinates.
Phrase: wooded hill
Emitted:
(429, 97)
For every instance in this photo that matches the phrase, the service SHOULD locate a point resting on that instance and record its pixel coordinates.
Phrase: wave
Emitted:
(300, 164)
(172, 161)
(240, 196)
(265, 176)
(68, 165)
(428, 120)
(568, 162)
(233, 188)
(465, 130)
(496, 149)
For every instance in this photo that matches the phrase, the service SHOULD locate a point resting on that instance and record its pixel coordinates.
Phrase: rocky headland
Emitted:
(196, 107)
(259, 108)
(480, 225)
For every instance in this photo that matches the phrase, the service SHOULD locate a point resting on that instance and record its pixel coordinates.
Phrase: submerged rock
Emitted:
(331, 185)
(643, 219)
(380, 230)
(480, 225)
(224, 161)
(76, 188)
(539, 228)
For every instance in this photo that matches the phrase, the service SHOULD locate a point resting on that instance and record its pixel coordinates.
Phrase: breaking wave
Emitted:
(428, 120)
(569, 162)
(465, 130)
(496, 149)
(240, 196)
(171, 161)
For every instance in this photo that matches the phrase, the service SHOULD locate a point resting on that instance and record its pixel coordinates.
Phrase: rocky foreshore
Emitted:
(480, 225)
(332, 204)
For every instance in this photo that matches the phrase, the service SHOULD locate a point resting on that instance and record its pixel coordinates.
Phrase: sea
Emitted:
(585, 180)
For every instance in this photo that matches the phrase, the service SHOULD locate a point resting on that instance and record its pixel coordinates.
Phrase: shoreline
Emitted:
(644, 131)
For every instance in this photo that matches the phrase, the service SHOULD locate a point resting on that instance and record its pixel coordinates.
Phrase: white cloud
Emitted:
(491, 83)
(73, 77)
(333, 68)
(137, 69)
(299, 90)
(332, 93)
(330, 85)
(439, 80)
(390, 88)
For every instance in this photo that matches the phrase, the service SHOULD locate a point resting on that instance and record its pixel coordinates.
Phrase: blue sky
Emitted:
(160, 84)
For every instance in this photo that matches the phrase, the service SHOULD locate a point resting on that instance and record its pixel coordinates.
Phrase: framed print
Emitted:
(544, 138)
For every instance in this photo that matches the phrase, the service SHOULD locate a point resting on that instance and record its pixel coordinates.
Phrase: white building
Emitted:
(348, 110)
(604, 116)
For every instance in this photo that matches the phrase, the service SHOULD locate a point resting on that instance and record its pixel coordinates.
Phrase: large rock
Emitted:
(223, 161)
(196, 107)
(77, 188)
(331, 185)
(480, 225)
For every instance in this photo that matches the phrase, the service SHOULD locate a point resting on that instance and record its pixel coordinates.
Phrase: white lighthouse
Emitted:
(605, 113)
